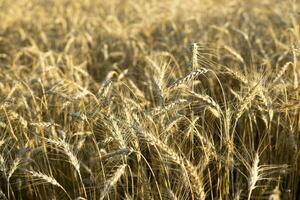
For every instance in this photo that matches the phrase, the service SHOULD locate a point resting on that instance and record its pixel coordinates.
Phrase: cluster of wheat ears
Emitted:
(149, 99)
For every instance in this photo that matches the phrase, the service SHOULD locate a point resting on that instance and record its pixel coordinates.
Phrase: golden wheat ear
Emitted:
(35, 176)
(192, 75)
(112, 181)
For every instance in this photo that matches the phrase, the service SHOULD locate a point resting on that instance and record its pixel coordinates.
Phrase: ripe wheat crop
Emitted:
(149, 99)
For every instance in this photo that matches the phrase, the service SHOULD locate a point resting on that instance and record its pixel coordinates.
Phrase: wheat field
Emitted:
(149, 99)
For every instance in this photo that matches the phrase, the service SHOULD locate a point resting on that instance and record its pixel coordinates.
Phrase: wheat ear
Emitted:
(48, 179)
(112, 181)
(188, 77)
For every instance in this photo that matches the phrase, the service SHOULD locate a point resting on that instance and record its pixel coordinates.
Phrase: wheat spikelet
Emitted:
(254, 175)
(67, 149)
(172, 122)
(66, 104)
(195, 179)
(185, 164)
(43, 124)
(264, 105)
(72, 157)
(246, 101)
(13, 168)
(83, 133)
(188, 77)
(282, 71)
(260, 172)
(195, 56)
(103, 91)
(237, 75)
(169, 107)
(2, 164)
(257, 172)
(215, 108)
(158, 88)
(295, 69)
(44, 177)
(112, 181)
(262, 98)
(47, 179)
(123, 151)
(116, 131)
(235, 54)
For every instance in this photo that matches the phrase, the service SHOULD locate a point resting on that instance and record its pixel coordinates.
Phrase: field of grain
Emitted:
(149, 99)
